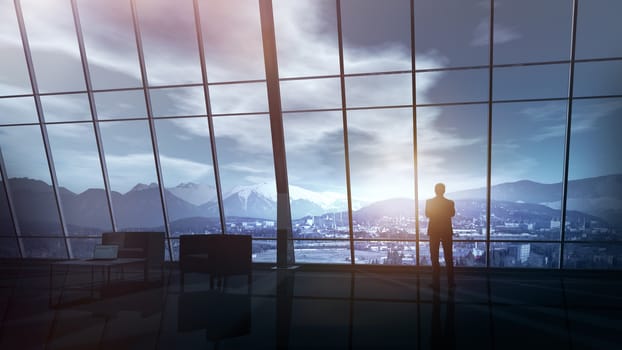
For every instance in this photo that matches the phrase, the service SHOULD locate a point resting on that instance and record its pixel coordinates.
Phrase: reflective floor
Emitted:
(309, 308)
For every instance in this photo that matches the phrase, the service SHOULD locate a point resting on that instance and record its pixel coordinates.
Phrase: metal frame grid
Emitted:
(95, 121)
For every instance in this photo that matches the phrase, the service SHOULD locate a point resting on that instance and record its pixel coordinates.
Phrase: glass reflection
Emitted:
(54, 45)
(379, 90)
(232, 40)
(598, 29)
(44, 248)
(131, 168)
(322, 251)
(597, 79)
(59, 108)
(532, 31)
(381, 163)
(120, 104)
(8, 247)
(451, 148)
(238, 98)
(310, 94)
(376, 35)
(82, 248)
(306, 33)
(188, 176)
(527, 163)
(316, 173)
(29, 179)
(593, 256)
(513, 83)
(169, 41)
(6, 222)
(317, 189)
(384, 253)
(18, 110)
(246, 168)
(14, 77)
(594, 202)
(524, 254)
(181, 101)
(469, 85)
(110, 43)
(460, 39)
(472, 254)
(79, 175)
(264, 251)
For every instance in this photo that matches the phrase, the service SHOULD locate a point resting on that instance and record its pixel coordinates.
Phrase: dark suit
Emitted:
(440, 210)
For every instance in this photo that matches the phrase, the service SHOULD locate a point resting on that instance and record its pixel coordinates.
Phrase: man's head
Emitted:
(439, 189)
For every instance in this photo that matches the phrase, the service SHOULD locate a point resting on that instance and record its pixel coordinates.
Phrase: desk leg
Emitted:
(108, 279)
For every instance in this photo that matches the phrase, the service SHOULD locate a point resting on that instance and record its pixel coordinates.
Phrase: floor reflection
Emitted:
(220, 314)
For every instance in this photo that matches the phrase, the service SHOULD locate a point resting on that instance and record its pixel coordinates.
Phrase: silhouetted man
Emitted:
(440, 210)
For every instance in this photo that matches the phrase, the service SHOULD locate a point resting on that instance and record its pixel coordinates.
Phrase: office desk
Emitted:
(104, 265)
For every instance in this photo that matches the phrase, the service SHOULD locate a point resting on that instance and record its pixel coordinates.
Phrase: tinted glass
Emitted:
(30, 182)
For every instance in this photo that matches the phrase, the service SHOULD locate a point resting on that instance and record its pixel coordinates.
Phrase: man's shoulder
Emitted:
(439, 199)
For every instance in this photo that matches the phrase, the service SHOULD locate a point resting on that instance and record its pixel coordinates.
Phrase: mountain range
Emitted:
(598, 197)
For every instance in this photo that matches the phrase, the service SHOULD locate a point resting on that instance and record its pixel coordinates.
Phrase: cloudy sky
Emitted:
(528, 137)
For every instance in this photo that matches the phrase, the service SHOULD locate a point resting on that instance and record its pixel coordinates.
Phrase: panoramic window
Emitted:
(379, 101)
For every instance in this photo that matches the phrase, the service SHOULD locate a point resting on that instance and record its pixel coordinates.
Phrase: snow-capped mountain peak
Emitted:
(142, 187)
(196, 194)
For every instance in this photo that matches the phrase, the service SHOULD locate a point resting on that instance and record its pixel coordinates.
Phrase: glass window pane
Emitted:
(131, 168)
(29, 179)
(60, 108)
(381, 148)
(379, 90)
(6, 223)
(169, 35)
(79, 175)
(598, 78)
(525, 254)
(246, 168)
(8, 248)
(110, 43)
(595, 172)
(599, 29)
(451, 148)
(18, 110)
(120, 104)
(316, 174)
(452, 86)
(451, 33)
(232, 40)
(472, 254)
(383, 46)
(239, 98)
(44, 248)
(264, 251)
(532, 31)
(310, 94)
(527, 167)
(547, 81)
(182, 101)
(14, 77)
(384, 253)
(322, 252)
(306, 36)
(54, 45)
(593, 256)
(82, 248)
(188, 175)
